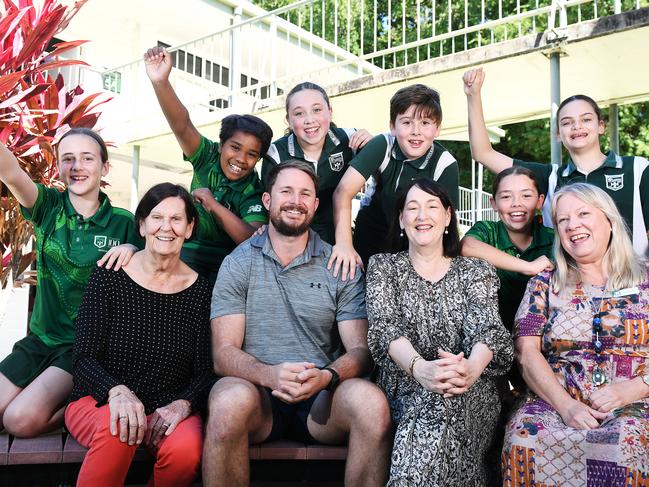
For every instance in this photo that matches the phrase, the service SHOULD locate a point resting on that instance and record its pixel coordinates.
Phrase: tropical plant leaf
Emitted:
(87, 121)
(9, 82)
(60, 63)
(24, 262)
(9, 23)
(36, 41)
(78, 106)
(24, 95)
(62, 47)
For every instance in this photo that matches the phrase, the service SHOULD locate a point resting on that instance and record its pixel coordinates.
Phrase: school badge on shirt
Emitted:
(336, 161)
(614, 182)
(102, 242)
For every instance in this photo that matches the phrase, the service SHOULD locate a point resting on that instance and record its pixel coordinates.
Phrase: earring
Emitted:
(401, 233)
(446, 231)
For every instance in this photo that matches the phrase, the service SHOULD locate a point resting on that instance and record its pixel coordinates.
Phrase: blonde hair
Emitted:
(621, 264)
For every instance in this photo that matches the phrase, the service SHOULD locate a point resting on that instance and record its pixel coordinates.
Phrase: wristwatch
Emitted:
(335, 379)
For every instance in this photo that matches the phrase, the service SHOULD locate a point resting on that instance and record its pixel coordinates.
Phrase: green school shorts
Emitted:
(30, 357)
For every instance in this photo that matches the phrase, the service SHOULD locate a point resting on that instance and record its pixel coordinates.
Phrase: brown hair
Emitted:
(424, 98)
(514, 170)
(103, 150)
(306, 85)
(450, 240)
(593, 104)
(291, 164)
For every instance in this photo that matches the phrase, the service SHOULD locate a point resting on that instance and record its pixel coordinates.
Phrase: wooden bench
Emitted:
(62, 448)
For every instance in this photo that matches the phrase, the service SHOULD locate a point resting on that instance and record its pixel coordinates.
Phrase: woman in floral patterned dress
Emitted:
(438, 341)
(582, 340)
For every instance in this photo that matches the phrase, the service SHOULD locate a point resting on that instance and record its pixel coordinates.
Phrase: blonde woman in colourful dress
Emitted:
(582, 342)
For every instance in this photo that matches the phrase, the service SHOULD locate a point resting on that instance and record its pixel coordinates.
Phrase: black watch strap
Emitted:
(335, 379)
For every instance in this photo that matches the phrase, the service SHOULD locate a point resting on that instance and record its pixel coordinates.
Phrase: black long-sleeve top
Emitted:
(158, 345)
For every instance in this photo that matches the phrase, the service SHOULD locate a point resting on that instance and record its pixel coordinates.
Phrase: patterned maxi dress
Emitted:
(539, 448)
(438, 441)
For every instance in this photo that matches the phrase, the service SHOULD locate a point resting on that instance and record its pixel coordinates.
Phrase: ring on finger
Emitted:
(166, 425)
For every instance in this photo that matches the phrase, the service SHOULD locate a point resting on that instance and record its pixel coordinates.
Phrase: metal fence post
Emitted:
(135, 177)
(235, 58)
(555, 99)
(614, 127)
(273, 57)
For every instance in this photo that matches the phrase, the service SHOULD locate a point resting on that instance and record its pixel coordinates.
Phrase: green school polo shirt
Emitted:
(383, 159)
(513, 284)
(68, 247)
(211, 243)
(333, 162)
(625, 179)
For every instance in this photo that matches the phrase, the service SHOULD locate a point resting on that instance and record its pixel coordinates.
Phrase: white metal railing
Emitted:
(471, 210)
(411, 32)
(256, 58)
(262, 56)
(468, 211)
(387, 37)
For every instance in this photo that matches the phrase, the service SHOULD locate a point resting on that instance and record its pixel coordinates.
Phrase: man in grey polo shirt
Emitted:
(290, 341)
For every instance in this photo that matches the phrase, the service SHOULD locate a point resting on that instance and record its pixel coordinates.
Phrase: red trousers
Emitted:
(107, 462)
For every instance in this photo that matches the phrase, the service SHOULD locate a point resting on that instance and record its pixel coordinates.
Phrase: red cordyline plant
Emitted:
(35, 106)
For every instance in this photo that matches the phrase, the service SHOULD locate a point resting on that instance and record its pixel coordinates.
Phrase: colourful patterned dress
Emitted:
(539, 448)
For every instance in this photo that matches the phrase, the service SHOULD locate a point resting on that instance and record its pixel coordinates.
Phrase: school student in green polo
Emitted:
(580, 124)
(314, 138)
(518, 245)
(224, 181)
(74, 230)
(407, 152)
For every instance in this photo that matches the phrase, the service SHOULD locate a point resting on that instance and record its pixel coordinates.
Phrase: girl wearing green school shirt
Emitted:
(75, 230)
(518, 245)
(224, 182)
(314, 138)
(580, 124)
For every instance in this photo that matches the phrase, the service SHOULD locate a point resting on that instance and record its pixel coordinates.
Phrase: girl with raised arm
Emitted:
(224, 181)
(580, 123)
(74, 229)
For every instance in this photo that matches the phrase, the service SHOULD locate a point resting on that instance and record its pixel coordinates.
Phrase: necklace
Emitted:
(599, 377)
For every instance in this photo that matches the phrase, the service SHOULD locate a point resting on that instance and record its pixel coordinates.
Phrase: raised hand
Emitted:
(205, 197)
(473, 79)
(158, 64)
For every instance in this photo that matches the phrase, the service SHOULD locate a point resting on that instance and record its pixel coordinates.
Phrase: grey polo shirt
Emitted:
(292, 312)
